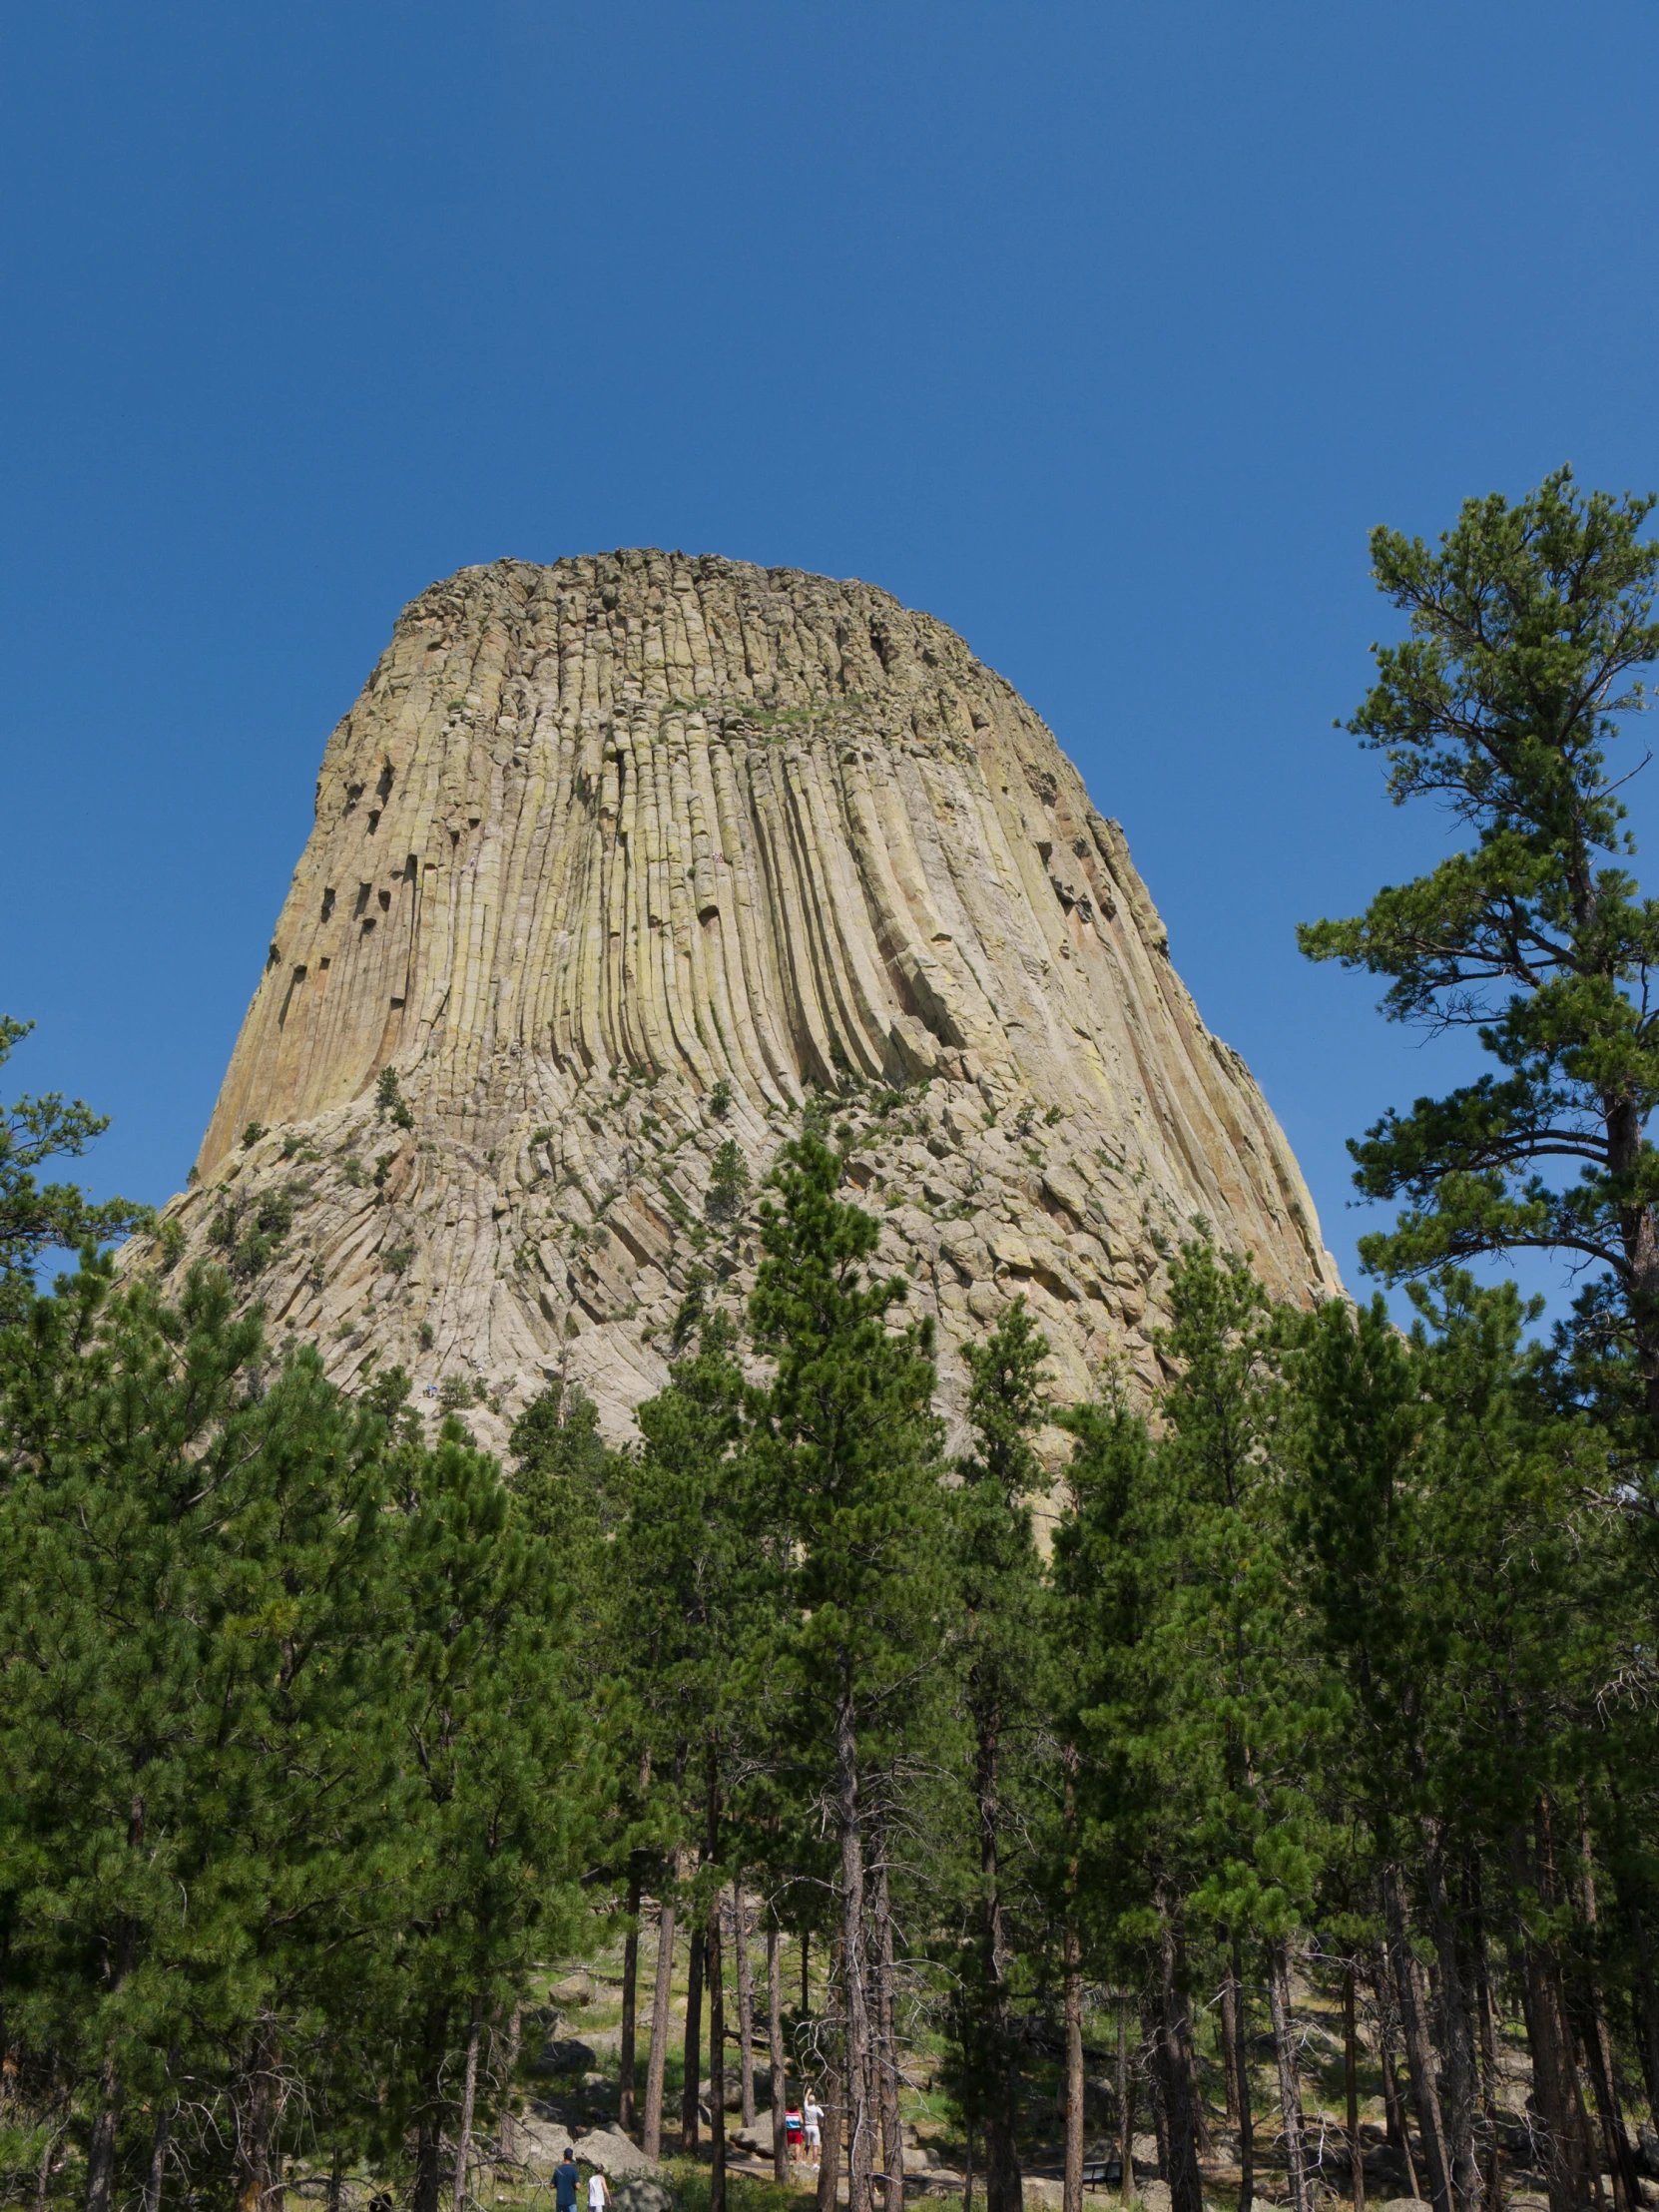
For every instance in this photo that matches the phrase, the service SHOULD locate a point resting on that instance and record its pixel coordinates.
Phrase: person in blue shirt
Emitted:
(565, 2181)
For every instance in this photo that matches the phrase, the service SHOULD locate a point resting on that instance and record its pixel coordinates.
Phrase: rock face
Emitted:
(620, 860)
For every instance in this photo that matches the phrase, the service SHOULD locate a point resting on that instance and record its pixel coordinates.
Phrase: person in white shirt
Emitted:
(812, 2119)
(598, 2195)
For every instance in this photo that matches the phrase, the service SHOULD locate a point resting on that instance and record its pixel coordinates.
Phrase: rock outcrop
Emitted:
(621, 861)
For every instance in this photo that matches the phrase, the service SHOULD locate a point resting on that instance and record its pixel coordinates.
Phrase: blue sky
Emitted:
(1102, 331)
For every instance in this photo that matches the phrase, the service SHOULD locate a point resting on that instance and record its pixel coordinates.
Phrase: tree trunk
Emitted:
(158, 2141)
(469, 2098)
(657, 2059)
(967, 2172)
(1350, 2083)
(690, 2094)
(1173, 2067)
(427, 2190)
(101, 2148)
(835, 2131)
(257, 2184)
(1456, 2040)
(42, 2173)
(775, 2052)
(1547, 2046)
(1238, 2039)
(1290, 2088)
(745, 2002)
(158, 2159)
(716, 2052)
(1228, 1996)
(1420, 2053)
(1394, 2103)
(1072, 2200)
(1126, 2106)
(1566, 2148)
(1494, 2187)
(1598, 2044)
(1003, 2180)
(855, 1980)
(626, 2116)
(504, 2134)
(1647, 2009)
(886, 2044)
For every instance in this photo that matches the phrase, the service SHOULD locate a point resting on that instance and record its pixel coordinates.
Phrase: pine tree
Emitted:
(997, 1598)
(845, 1446)
(1526, 624)
(507, 1786)
(35, 1220)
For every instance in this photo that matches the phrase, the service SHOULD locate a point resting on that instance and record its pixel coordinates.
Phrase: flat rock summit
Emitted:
(622, 860)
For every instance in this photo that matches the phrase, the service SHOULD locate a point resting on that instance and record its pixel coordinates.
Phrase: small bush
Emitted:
(389, 1101)
(397, 1257)
(457, 1391)
(252, 1135)
(424, 1332)
(720, 1098)
(352, 1170)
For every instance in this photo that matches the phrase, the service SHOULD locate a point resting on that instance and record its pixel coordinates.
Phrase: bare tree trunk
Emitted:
(1420, 2051)
(1492, 2188)
(1173, 2067)
(835, 2093)
(692, 2091)
(630, 2000)
(469, 2098)
(745, 2002)
(1126, 2106)
(1647, 2009)
(716, 2051)
(158, 2143)
(1002, 2178)
(967, 2172)
(1072, 2197)
(1239, 2045)
(1598, 2044)
(427, 2189)
(854, 1981)
(257, 2184)
(655, 2061)
(886, 2042)
(504, 2134)
(775, 2052)
(1567, 2163)
(1394, 2103)
(1229, 2058)
(101, 2149)
(1458, 2043)
(1351, 2082)
(1290, 2088)
(43, 2175)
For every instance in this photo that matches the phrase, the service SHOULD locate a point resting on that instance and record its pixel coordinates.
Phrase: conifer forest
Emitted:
(1240, 1792)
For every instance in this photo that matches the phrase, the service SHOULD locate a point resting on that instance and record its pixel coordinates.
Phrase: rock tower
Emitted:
(622, 860)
